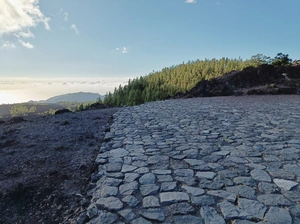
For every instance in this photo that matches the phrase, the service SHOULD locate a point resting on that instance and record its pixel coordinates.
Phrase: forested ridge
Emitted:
(159, 85)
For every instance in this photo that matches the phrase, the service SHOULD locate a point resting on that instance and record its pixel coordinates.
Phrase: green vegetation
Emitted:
(181, 78)
(19, 109)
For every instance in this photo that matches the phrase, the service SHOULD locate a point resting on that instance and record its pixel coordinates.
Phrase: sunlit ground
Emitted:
(24, 90)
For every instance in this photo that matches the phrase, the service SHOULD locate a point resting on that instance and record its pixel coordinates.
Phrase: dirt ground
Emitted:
(46, 165)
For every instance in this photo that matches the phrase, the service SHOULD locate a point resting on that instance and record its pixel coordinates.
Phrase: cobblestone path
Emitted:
(203, 160)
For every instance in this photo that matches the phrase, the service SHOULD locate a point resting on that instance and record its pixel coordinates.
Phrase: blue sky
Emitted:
(129, 38)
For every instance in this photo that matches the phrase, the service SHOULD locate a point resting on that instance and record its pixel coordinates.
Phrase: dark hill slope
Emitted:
(265, 79)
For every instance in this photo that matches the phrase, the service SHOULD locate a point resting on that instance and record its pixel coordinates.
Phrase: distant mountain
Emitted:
(74, 97)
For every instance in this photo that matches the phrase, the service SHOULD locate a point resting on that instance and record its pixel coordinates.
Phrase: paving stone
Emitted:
(113, 167)
(207, 175)
(131, 200)
(271, 158)
(184, 172)
(148, 178)
(211, 216)
(190, 181)
(196, 153)
(243, 191)
(278, 216)
(194, 162)
(140, 220)
(285, 184)
(182, 208)
(236, 159)
(112, 182)
(127, 160)
(267, 188)
(128, 168)
(228, 173)
(193, 190)
(92, 211)
(281, 174)
(108, 191)
(150, 202)
(127, 214)
(273, 199)
(248, 181)
(292, 195)
(129, 188)
(162, 172)
(164, 178)
(222, 153)
(172, 197)
(104, 217)
(168, 186)
(120, 152)
(156, 214)
(256, 166)
(260, 175)
(109, 203)
(130, 177)
(139, 163)
(148, 189)
(203, 200)
(142, 170)
(230, 211)
(252, 208)
(153, 159)
(231, 197)
(184, 219)
(208, 184)
(215, 166)
(295, 210)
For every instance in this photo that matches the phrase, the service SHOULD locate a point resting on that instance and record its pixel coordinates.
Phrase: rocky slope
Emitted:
(46, 165)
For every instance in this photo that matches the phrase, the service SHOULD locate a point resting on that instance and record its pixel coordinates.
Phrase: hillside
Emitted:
(71, 101)
(74, 97)
(180, 79)
(261, 80)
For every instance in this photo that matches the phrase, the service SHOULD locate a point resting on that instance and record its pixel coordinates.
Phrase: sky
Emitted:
(110, 41)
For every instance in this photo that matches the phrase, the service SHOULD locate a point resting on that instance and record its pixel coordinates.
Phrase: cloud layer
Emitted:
(17, 18)
(190, 1)
(24, 90)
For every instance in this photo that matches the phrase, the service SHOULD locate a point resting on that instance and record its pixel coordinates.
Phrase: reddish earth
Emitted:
(46, 164)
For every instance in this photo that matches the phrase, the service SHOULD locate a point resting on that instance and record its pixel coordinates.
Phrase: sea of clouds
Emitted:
(18, 90)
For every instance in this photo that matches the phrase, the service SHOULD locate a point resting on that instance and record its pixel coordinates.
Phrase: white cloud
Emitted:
(190, 1)
(17, 17)
(26, 34)
(26, 44)
(8, 45)
(124, 50)
(73, 27)
(66, 16)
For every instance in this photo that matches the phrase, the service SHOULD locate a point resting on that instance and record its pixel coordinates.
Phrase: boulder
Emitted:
(97, 106)
(62, 111)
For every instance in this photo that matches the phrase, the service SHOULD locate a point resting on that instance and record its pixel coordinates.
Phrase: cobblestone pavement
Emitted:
(202, 160)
